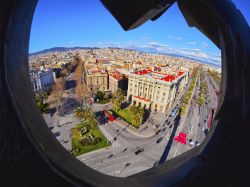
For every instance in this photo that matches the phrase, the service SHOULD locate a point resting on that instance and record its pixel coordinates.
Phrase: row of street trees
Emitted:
(215, 75)
(59, 86)
(57, 91)
(186, 99)
(201, 99)
(78, 76)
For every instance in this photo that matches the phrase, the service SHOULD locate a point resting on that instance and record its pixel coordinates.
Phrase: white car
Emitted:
(191, 142)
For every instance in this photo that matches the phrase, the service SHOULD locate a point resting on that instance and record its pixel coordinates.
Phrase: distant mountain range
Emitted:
(144, 50)
(60, 49)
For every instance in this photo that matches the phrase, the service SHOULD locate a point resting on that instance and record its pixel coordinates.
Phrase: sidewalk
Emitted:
(147, 133)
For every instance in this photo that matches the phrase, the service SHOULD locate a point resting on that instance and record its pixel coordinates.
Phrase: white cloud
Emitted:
(204, 45)
(174, 37)
(145, 38)
(157, 44)
(193, 53)
(191, 43)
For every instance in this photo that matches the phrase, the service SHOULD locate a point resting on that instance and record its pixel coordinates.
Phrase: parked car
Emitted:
(125, 149)
(110, 156)
(127, 164)
(50, 114)
(139, 151)
(197, 143)
(157, 132)
(159, 140)
(191, 142)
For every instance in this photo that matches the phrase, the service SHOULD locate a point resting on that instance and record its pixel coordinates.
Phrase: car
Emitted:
(125, 149)
(157, 132)
(168, 123)
(110, 156)
(164, 129)
(127, 164)
(191, 142)
(159, 140)
(170, 126)
(197, 143)
(50, 114)
(156, 163)
(139, 151)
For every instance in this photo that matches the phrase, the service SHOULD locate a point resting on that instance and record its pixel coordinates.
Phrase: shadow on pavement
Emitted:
(170, 142)
(70, 84)
(68, 106)
(101, 119)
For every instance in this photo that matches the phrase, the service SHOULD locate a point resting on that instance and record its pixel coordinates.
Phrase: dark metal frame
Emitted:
(31, 156)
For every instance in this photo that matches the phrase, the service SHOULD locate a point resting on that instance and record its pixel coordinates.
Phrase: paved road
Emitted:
(120, 159)
(196, 119)
(212, 95)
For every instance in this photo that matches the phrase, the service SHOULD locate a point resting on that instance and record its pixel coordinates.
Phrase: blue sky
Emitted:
(86, 23)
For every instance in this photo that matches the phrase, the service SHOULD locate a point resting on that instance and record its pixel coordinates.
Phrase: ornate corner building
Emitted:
(155, 90)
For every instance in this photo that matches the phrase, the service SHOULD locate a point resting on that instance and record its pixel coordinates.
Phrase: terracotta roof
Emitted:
(169, 78)
(143, 72)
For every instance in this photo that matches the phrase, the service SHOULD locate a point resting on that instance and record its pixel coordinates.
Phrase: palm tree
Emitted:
(43, 96)
(90, 117)
(117, 99)
(79, 113)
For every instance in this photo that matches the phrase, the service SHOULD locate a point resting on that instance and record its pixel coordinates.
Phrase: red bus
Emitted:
(109, 115)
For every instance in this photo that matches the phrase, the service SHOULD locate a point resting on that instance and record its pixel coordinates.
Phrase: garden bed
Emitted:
(84, 141)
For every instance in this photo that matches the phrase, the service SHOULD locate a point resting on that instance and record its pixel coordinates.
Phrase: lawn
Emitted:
(78, 148)
(125, 115)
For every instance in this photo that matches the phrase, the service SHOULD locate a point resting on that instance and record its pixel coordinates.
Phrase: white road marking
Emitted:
(175, 153)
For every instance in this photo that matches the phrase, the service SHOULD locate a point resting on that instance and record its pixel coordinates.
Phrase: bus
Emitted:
(109, 115)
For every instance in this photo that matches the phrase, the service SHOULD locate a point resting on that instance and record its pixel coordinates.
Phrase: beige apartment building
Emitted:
(154, 90)
(117, 80)
(96, 80)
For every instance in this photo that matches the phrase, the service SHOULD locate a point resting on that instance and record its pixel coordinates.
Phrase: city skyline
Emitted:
(81, 27)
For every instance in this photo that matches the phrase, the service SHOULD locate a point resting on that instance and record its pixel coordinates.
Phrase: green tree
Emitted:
(117, 100)
(116, 105)
(133, 109)
(137, 115)
(136, 120)
(119, 94)
(182, 110)
(43, 96)
(99, 96)
(43, 107)
(90, 117)
(79, 113)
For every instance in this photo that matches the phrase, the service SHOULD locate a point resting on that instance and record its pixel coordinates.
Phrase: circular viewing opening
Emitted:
(122, 102)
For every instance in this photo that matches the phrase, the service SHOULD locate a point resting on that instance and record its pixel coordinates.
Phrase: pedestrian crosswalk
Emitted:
(109, 137)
